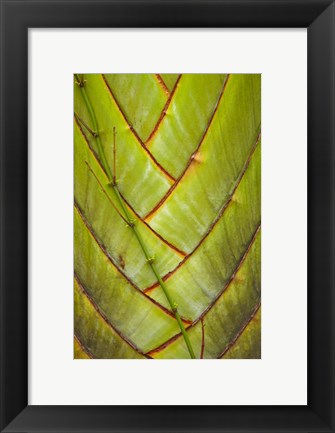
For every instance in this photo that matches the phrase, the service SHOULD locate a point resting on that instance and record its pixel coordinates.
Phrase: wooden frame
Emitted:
(16, 18)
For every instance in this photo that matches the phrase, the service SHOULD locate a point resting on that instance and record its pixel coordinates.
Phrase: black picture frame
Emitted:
(16, 18)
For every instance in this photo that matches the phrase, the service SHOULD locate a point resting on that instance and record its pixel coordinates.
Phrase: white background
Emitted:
(280, 377)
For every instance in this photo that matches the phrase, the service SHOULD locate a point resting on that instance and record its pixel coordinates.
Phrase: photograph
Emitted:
(167, 216)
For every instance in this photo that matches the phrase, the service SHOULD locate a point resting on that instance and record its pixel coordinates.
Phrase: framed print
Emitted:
(260, 73)
(167, 216)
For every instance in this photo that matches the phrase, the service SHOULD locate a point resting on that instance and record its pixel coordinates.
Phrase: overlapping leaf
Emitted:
(187, 162)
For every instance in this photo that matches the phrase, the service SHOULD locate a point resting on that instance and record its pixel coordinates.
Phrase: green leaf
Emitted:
(130, 91)
(248, 343)
(204, 272)
(190, 109)
(167, 260)
(79, 351)
(95, 333)
(140, 178)
(94, 198)
(224, 150)
(223, 318)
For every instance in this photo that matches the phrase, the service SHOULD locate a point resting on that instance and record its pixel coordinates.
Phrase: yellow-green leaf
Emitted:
(167, 216)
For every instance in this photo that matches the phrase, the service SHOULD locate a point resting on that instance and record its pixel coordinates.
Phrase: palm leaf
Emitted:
(184, 155)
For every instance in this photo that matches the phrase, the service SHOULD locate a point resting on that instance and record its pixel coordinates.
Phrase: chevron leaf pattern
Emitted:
(167, 216)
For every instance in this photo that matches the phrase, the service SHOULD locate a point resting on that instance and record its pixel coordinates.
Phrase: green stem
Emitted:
(131, 223)
(95, 126)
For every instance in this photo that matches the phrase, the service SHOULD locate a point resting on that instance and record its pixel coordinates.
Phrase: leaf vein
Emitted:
(241, 330)
(151, 156)
(163, 113)
(83, 347)
(191, 159)
(106, 320)
(215, 221)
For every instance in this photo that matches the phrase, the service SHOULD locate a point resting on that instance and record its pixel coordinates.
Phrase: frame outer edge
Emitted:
(14, 201)
(321, 201)
(15, 19)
